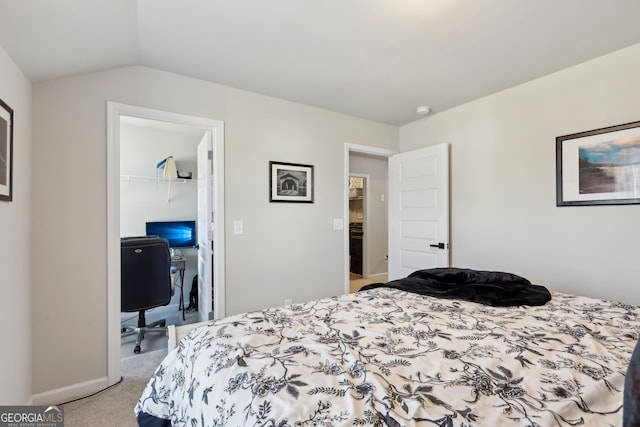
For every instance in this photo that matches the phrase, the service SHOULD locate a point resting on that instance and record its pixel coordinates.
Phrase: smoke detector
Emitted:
(423, 110)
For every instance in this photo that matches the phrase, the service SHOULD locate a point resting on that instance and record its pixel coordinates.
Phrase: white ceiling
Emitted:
(376, 59)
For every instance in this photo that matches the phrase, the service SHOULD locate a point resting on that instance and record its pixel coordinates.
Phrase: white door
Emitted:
(205, 227)
(418, 210)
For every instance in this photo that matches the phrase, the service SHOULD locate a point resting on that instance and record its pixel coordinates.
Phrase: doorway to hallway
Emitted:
(366, 248)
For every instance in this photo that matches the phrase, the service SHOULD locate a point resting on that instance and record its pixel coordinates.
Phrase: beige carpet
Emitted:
(114, 406)
(155, 340)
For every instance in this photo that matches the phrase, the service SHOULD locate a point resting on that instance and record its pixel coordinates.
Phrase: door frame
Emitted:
(348, 149)
(114, 111)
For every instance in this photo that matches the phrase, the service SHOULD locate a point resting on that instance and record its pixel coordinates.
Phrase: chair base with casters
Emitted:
(143, 328)
(145, 282)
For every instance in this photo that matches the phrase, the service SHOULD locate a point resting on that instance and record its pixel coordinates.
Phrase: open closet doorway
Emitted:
(366, 238)
(213, 221)
(154, 203)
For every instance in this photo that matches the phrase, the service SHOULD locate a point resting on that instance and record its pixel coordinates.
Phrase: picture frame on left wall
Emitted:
(6, 152)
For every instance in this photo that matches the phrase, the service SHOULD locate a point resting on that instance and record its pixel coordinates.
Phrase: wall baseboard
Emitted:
(69, 393)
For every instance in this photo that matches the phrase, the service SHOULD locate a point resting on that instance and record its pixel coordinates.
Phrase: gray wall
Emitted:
(16, 262)
(287, 250)
(503, 205)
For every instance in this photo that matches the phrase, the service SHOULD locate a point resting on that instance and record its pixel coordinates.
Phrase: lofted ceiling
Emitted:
(375, 59)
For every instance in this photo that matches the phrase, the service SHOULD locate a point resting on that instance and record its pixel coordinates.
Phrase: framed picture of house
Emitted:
(6, 152)
(599, 167)
(290, 182)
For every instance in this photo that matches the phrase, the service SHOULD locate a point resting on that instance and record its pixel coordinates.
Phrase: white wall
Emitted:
(142, 198)
(376, 239)
(287, 250)
(15, 247)
(504, 214)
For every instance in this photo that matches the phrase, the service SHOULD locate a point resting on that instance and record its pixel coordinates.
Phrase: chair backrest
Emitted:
(145, 273)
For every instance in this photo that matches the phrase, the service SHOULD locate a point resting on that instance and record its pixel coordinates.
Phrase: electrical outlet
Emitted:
(238, 227)
(288, 301)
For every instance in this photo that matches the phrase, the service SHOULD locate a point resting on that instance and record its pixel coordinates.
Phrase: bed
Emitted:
(442, 347)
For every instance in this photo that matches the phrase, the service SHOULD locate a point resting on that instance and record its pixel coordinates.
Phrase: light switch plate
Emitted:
(238, 227)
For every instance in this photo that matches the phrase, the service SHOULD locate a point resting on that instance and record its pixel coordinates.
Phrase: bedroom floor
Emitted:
(153, 340)
(357, 281)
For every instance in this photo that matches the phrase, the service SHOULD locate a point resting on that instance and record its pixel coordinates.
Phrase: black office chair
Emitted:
(145, 282)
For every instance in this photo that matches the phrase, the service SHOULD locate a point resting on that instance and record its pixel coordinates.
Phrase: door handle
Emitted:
(439, 246)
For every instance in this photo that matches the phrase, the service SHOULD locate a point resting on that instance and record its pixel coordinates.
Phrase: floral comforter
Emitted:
(385, 357)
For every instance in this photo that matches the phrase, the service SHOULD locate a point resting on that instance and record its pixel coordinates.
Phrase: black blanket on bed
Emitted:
(485, 287)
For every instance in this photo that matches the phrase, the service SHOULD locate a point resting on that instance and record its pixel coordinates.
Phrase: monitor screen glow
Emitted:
(180, 234)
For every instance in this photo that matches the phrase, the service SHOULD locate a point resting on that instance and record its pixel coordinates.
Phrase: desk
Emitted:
(178, 265)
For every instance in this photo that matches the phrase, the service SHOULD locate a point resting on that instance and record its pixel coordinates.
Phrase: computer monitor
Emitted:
(180, 234)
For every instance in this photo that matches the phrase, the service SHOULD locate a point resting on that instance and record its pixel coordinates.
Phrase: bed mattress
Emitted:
(387, 357)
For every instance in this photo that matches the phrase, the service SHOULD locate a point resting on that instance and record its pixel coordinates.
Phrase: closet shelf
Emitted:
(157, 180)
(139, 178)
